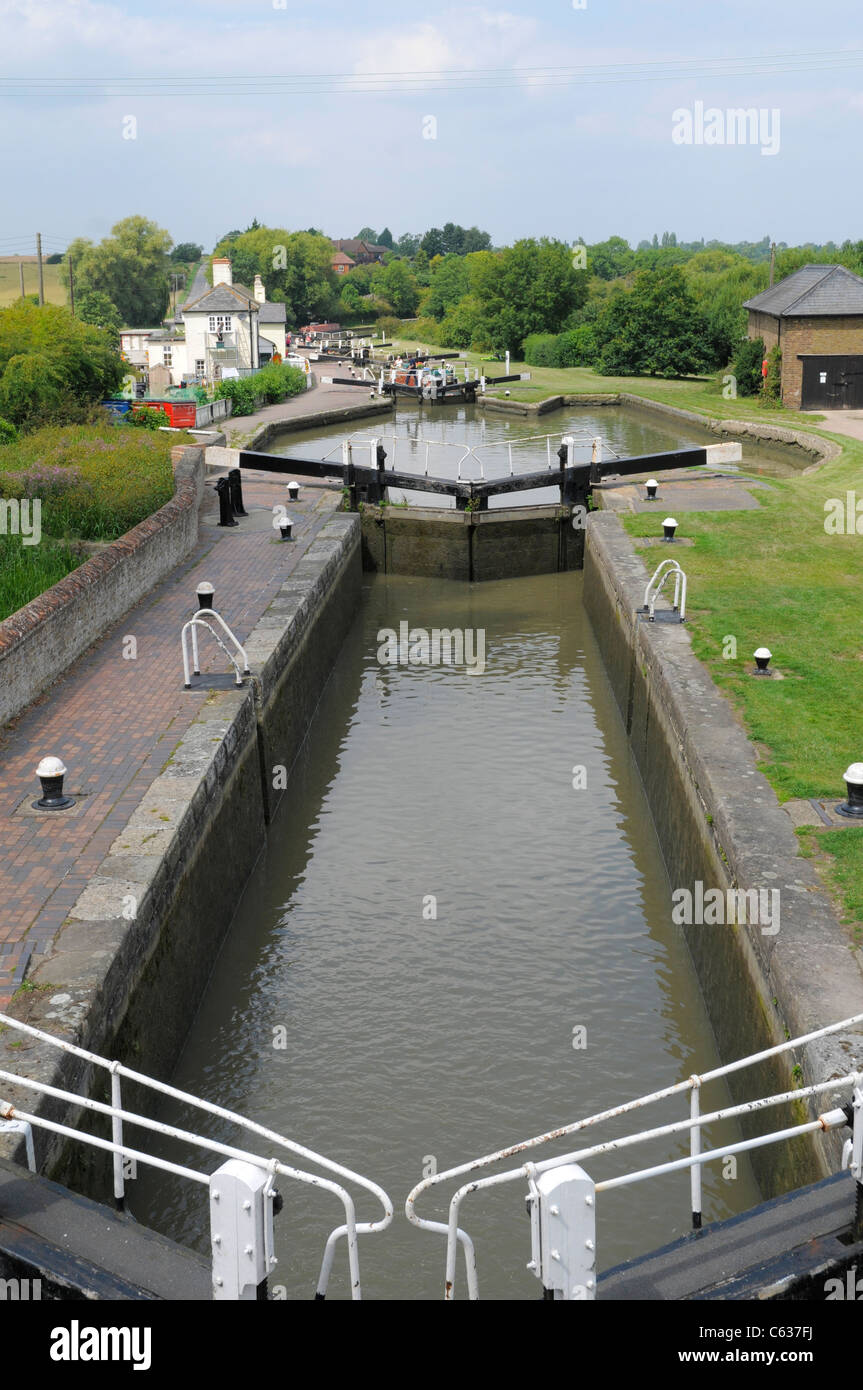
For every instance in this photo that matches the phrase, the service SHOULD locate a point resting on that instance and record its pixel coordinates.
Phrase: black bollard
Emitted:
(226, 511)
(235, 479)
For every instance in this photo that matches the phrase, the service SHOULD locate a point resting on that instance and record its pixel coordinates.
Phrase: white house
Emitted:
(227, 330)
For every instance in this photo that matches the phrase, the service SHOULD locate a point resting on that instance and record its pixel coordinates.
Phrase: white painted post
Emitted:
(507, 363)
(482, 384)
(241, 1230)
(562, 1204)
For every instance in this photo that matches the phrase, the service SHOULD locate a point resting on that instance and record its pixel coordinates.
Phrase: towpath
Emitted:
(318, 398)
(115, 721)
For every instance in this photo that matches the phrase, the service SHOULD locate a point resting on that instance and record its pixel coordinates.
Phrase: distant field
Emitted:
(10, 286)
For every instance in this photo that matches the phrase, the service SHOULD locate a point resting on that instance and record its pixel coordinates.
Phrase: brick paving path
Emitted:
(115, 721)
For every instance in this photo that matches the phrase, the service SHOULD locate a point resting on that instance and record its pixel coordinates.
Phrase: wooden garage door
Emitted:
(832, 383)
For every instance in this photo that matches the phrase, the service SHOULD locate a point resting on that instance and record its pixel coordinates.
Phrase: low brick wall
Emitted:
(42, 639)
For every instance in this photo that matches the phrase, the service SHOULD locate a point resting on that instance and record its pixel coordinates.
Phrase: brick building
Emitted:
(815, 316)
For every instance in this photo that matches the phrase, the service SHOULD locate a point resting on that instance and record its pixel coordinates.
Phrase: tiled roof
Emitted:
(813, 291)
(222, 299)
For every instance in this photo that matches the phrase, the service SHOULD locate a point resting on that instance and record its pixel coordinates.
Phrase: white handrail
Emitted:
(351, 1229)
(695, 1122)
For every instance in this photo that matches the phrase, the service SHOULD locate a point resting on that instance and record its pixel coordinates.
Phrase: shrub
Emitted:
(146, 418)
(746, 366)
(31, 385)
(271, 384)
(8, 432)
(94, 481)
(389, 325)
(772, 387)
(576, 347)
(539, 349)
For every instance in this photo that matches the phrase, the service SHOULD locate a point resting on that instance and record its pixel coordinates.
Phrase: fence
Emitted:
(243, 1198)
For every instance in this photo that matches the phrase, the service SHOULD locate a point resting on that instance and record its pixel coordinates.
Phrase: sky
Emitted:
(555, 117)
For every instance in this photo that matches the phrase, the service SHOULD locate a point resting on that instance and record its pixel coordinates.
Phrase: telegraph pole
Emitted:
(39, 259)
(21, 277)
(772, 259)
(71, 287)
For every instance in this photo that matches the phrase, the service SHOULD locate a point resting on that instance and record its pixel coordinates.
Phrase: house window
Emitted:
(166, 357)
(220, 323)
(200, 366)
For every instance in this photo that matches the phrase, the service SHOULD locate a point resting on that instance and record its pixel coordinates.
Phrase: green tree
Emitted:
(433, 243)
(294, 266)
(131, 267)
(385, 238)
(187, 251)
(396, 284)
(408, 244)
(448, 283)
(60, 362)
(96, 308)
(610, 259)
(655, 329)
(367, 234)
(746, 366)
(529, 287)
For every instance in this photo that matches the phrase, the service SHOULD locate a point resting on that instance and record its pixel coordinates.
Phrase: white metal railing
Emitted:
(505, 449)
(664, 571)
(205, 617)
(544, 1262)
(256, 1181)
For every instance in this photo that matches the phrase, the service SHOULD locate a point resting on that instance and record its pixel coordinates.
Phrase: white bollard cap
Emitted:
(762, 654)
(205, 588)
(51, 767)
(651, 482)
(854, 775)
(669, 521)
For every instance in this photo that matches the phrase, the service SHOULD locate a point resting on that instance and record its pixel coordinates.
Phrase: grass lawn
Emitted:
(54, 277)
(773, 578)
(93, 483)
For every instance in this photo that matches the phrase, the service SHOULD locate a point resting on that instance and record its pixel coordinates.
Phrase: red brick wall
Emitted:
(827, 337)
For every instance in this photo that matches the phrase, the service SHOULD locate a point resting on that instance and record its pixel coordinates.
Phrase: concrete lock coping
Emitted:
(651, 486)
(854, 784)
(669, 526)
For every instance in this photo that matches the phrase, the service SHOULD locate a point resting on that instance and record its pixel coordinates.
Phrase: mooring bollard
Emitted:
(669, 526)
(226, 511)
(762, 662)
(293, 491)
(51, 772)
(652, 486)
(235, 479)
(854, 784)
(286, 528)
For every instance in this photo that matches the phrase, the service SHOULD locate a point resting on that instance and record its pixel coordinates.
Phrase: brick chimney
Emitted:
(222, 272)
(260, 292)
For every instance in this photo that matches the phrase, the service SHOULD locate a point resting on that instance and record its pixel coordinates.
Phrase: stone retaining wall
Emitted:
(133, 959)
(719, 822)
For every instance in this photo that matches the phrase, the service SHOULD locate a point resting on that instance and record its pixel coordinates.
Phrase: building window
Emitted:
(166, 357)
(220, 323)
(200, 366)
